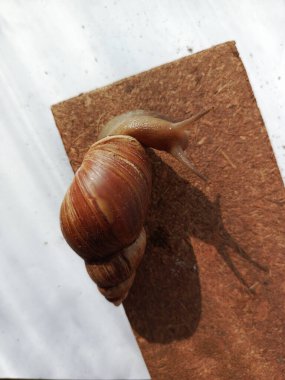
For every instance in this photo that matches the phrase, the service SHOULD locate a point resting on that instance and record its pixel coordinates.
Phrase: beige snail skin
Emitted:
(103, 212)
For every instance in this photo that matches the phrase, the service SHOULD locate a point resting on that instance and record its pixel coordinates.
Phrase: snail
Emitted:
(103, 212)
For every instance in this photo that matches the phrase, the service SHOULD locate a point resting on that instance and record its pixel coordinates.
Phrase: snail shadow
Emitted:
(164, 303)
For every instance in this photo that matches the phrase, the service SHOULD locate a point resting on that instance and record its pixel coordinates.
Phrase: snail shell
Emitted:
(104, 210)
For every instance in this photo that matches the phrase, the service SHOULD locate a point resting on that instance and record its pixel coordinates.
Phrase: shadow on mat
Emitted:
(164, 304)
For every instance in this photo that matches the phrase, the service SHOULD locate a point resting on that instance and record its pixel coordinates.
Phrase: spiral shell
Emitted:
(104, 209)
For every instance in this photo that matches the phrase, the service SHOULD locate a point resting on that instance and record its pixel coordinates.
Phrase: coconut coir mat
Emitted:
(208, 298)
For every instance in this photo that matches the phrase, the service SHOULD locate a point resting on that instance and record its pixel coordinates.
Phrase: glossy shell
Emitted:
(105, 207)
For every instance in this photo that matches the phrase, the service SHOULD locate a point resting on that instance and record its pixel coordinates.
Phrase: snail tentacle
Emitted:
(179, 154)
(184, 124)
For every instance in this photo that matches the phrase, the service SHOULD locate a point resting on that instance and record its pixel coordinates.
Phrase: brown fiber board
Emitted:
(208, 299)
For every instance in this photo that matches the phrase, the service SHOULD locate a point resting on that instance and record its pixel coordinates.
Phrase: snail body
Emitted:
(154, 130)
(104, 210)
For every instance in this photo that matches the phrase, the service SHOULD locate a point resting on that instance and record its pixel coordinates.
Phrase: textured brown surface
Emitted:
(208, 299)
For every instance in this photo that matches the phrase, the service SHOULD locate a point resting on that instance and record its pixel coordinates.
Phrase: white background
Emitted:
(53, 322)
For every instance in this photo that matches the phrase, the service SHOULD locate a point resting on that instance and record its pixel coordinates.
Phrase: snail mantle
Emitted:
(203, 300)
